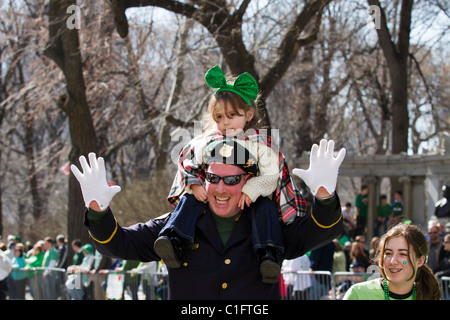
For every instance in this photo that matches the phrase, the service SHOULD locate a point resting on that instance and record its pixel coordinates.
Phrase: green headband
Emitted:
(245, 85)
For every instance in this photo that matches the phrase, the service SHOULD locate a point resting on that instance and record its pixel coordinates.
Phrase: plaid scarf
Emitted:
(289, 200)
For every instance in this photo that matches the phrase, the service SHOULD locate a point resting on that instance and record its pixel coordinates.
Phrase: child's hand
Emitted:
(244, 200)
(199, 192)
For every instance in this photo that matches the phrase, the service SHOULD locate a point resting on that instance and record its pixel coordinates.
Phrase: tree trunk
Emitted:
(63, 49)
(397, 56)
(305, 104)
(37, 208)
(400, 117)
(33, 177)
(1, 201)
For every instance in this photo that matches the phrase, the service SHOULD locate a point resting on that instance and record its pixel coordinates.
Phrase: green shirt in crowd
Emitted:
(372, 290)
(397, 208)
(361, 203)
(384, 211)
(50, 255)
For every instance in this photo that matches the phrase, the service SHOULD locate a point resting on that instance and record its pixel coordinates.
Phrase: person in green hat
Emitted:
(88, 260)
(78, 277)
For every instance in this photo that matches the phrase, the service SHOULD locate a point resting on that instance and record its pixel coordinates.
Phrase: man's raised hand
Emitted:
(94, 185)
(323, 167)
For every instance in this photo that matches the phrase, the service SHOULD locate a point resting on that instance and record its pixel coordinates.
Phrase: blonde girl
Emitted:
(232, 118)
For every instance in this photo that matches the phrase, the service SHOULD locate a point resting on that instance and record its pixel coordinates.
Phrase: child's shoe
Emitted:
(270, 269)
(169, 250)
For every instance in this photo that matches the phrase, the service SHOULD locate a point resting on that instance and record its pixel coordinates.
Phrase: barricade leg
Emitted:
(48, 287)
(17, 289)
(320, 288)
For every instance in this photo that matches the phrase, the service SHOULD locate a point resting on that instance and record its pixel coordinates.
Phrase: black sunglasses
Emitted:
(228, 180)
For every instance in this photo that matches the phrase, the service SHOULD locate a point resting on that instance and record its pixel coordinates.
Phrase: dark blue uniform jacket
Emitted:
(213, 270)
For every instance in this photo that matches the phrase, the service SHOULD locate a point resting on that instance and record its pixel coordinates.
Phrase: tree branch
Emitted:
(291, 43)
(384, 36)
(239, 13)
(120, 6)
(422, 76)
(405, 28)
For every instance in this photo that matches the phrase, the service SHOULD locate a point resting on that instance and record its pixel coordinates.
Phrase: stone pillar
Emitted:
(433, 189)
(418, 202)
(407, 196)
(372, 183)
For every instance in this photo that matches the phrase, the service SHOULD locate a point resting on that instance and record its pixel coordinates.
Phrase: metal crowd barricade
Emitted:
(37, 284)
(307, 285)
(136, 285)
(344, 280)
(55, 283)
(445, 287)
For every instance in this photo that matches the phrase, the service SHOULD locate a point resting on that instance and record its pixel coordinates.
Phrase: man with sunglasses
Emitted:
(177, 236)
(222, 264)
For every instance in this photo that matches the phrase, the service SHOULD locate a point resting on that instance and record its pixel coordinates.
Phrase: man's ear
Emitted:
(247, 176)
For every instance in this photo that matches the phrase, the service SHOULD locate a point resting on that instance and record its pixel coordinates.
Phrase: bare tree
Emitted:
(31, 130)
(226, 28)
(397, 54)
(64, 49)
(322, 73)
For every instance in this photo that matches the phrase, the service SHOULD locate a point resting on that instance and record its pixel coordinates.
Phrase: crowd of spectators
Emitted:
(352, 253)
(45, 271)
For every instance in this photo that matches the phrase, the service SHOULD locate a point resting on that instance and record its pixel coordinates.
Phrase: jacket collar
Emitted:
(207, 226)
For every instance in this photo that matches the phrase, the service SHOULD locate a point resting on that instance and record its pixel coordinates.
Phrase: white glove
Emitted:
(323, 167)
(93, 181)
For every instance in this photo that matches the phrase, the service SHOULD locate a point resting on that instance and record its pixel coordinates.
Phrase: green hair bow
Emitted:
(245, 85)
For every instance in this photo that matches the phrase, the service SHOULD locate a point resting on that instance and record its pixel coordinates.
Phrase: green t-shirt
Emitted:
(397, 208)
(372, 290)
(49, 255)
(361, 203)
(225, 226)
(36, 260)
(384, 211)
(78, 258)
